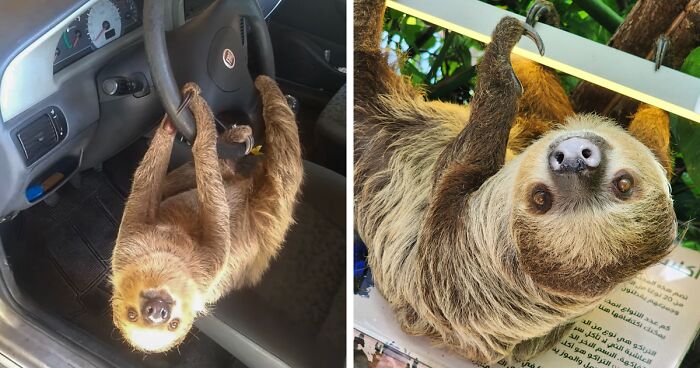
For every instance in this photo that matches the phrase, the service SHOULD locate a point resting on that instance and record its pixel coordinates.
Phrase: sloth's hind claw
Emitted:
(662, 46)
(543, 11)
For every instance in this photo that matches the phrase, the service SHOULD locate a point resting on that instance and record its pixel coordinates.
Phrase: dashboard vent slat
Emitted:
(37, 138)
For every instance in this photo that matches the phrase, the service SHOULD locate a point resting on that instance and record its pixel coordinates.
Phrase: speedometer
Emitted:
(104, 23)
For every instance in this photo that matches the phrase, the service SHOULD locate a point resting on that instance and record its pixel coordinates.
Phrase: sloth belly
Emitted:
(183, 210)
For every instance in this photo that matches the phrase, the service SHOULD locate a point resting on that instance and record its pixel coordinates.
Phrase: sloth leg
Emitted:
(183, 178)
(650, 125)
(179, 180)
(529, 348)
(543, 11)
(373, 75)
(276, 186)
(236, 134)
(211, 195)
(469, 160)
(145, 196)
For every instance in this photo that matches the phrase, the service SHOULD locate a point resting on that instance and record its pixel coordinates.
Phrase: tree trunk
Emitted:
(648, 19)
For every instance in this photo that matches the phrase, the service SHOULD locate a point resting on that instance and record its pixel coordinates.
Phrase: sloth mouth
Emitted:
(157, 294)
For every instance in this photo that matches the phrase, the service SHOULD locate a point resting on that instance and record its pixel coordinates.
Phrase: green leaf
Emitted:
(688, 181)
(692, 244)
(687, 133)
(691, 65)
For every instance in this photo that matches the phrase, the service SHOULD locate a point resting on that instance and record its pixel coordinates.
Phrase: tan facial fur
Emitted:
(593, 238)
(190, 236)
(157, 274)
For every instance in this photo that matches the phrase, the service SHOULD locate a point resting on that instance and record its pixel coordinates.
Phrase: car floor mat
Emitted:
(60, 257)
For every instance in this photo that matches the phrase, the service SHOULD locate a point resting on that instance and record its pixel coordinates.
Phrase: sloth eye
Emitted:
(132, 315)
(173, 324)
(623, 185)
(541, 199)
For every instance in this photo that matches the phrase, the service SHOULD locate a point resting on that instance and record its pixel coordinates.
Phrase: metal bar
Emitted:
(613, 69)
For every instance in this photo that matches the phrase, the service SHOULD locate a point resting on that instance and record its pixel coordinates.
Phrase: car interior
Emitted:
(78, 103)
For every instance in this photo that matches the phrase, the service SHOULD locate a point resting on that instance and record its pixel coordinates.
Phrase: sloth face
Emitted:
(154, 302)
(592, 208)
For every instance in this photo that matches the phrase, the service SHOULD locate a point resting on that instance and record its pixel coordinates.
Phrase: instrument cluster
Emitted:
(104, 22)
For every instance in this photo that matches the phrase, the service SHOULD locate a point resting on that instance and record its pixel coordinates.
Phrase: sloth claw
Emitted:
(544, 10)
(662, 46)
(530, 32)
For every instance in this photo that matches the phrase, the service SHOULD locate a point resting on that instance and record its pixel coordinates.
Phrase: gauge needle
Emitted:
(99, 34)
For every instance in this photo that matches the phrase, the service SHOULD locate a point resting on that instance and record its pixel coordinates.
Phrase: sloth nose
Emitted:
(155, 311)
(574, 155)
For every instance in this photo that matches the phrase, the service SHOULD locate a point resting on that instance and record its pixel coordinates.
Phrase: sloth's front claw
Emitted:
(662, 46)
(530, 32)
(496, 58)
(544, 11)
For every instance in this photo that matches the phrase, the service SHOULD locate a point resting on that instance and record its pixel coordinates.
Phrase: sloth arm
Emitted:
(144, 199)
(211, 195)
(183, 178)
(276, 186)
(469, 159)
(373, 75)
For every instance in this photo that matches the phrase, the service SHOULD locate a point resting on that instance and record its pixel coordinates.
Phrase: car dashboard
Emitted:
(105, 22)
(55, 119)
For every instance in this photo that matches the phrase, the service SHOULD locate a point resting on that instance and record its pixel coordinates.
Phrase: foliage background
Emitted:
(443, 63)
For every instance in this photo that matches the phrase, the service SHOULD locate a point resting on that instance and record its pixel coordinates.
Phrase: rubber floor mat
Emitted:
(60, 256)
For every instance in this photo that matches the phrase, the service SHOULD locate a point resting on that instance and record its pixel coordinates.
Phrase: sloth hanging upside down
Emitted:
(491, 226)
(189, 237)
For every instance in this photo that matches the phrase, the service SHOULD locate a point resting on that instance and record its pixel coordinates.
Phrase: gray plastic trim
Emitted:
(30, 69)
(241, 347)
(273, 9)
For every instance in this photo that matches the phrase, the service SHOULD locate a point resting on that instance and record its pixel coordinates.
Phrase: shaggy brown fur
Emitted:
(191, 236)
(455, 243)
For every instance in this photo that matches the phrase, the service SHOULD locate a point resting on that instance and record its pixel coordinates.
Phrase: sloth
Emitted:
(490, 227)
(189, 237)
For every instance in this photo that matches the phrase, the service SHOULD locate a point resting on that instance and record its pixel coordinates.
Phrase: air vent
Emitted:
(41, 134)
(244, 31)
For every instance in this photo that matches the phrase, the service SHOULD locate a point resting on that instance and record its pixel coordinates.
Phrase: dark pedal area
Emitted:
(60, 256)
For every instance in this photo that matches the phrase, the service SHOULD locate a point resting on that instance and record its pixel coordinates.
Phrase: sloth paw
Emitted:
(239, 134)
(543, 11)
(508, 32)
(497, 56)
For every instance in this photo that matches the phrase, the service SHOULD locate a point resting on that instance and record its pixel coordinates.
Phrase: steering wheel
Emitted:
(211, 50)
